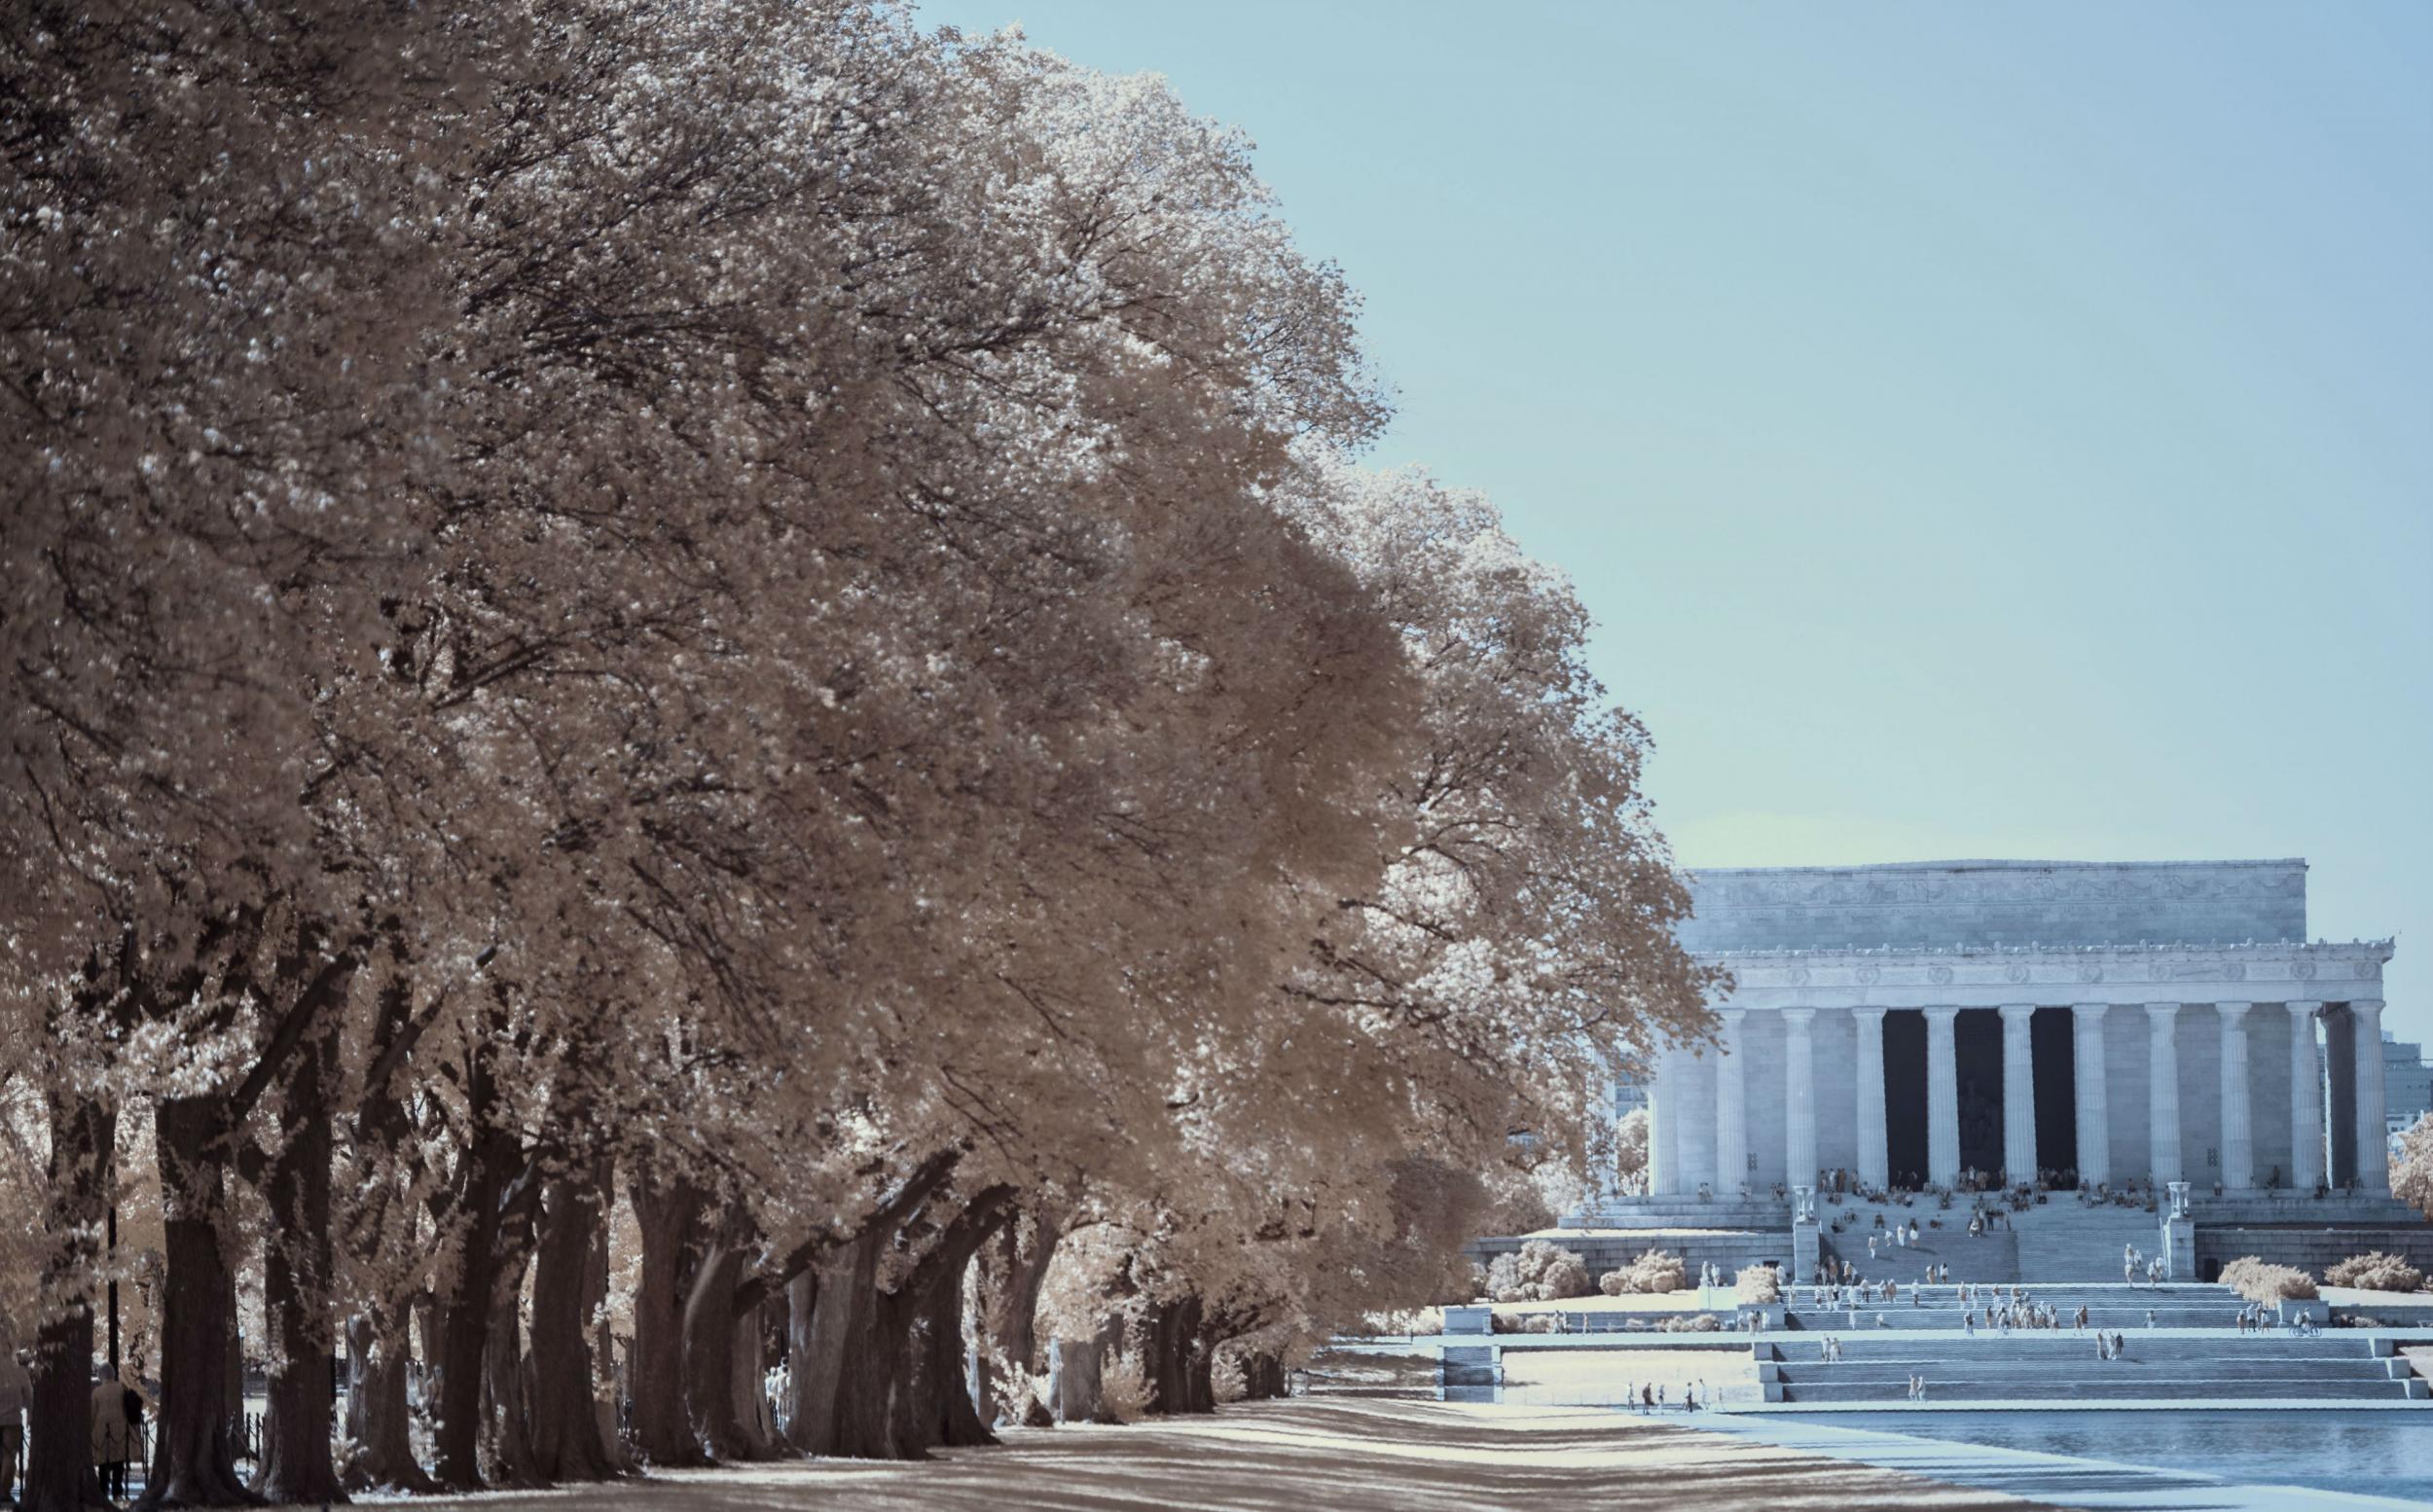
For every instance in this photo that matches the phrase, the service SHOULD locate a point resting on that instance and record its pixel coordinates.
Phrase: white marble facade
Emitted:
(2235, 1056)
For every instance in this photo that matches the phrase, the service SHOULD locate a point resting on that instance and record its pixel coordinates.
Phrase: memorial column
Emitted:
(2019, 1096)
(1799, 1096)
(1942, 1100)
(1732, 1107)
(2305, 1100)
(2374, 1139)
(2162, 1092)
(1874, 1160)
(2238, 1150)
(2094, 1109)
(1663, 1154)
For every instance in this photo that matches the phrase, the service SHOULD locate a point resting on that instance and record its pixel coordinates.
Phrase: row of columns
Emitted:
(2092, 1111)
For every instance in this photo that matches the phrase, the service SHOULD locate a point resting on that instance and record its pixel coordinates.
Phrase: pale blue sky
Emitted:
(1979, 431)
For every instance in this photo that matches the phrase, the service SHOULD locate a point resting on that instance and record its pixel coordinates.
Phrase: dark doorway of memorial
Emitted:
(2053, 1040)
(1977, 1054)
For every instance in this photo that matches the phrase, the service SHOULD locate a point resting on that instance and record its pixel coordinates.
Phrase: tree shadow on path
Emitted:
(1344, 1456)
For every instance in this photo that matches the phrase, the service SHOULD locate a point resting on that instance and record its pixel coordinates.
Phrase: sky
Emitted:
(1979, 431)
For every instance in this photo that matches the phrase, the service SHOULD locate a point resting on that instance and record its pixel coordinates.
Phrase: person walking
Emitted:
(117, 1430)
(16, 1395)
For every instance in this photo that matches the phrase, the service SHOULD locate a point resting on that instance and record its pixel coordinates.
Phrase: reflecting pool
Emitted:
(2382, 1454)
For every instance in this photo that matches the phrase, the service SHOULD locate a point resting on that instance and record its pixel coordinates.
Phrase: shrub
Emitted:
(1652, 1272)
(1760, 1285)
(2258, 1281)
(1690, 1323)
(1123, 1387)
(1566, 1277)
(1540, 1271)
(2375, 1271)
(1522, 1323)
(1225, 1376)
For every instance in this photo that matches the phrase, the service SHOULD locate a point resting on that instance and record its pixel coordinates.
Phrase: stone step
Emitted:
(2099, 1390)
(2146, 1349)
(1897, 1315)
(2027, 1372)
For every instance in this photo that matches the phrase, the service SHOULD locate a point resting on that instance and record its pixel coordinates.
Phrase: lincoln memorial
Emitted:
(2085, 1021)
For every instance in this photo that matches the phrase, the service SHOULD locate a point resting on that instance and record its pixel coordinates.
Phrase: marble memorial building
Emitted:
(2120, 1023)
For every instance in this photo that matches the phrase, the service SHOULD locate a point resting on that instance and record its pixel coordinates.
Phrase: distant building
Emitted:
(2110, 1022)
(2407, 1083)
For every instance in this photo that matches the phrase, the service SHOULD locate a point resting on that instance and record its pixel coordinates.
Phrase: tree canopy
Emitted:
(737, 626)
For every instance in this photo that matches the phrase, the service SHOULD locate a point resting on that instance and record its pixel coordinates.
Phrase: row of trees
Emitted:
(729, 622)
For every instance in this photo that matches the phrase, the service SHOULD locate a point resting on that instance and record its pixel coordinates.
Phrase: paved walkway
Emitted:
(1335, 1455)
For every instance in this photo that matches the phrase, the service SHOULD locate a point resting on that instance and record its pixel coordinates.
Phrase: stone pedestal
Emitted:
(1807, 1240)
(2179, 1235)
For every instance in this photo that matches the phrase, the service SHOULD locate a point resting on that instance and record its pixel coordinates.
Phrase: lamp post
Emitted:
(114, 1286)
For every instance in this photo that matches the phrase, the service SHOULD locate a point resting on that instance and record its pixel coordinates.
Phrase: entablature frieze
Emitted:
(1994, 977)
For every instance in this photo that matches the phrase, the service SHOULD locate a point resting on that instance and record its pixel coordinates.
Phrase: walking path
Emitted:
(1343, 1456)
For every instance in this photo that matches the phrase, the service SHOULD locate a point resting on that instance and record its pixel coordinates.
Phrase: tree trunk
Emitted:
(1180, 1369)
(899, 1406)
(846, 1294)
(668, 1214)
(747, 1377)
(296, 1286)
(1017, 1261)
(839, 1355)
(802, 1297)
(379, 1418)
(379, 1342)
(947, 1393)
(565, 1439)
(465, 1333)
(710, 1346)
(58, 1466)
(603, 1339)
(503, 1411)
(1082, 1373)
(193, 1463)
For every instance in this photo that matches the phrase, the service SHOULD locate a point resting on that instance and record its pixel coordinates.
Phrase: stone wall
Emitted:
(1941, 904)
(2312, 1249)
(1730, 1249)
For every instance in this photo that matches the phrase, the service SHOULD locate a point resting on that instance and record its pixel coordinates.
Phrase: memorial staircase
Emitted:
(2049, 1368)
(2112, 1306)
(1988, 1257)
(2064, 1241)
